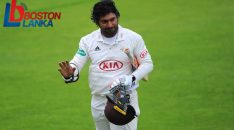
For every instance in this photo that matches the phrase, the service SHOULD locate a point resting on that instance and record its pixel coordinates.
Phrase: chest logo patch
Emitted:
(110, 65)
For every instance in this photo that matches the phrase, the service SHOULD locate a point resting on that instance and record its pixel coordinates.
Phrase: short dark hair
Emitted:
(103, 8)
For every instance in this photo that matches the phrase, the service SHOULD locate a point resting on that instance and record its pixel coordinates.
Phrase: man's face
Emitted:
(108, 25)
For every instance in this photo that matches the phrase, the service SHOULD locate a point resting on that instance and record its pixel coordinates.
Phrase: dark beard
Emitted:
(109, 32)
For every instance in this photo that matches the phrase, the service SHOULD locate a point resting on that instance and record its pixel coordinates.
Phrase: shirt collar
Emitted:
(120, 35)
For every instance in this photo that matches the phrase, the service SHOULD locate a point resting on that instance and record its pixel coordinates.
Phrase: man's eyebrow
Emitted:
(108, 19)
(104, 19)
(112, 18)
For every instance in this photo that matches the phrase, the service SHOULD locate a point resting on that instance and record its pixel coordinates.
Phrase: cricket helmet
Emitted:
(118, 109)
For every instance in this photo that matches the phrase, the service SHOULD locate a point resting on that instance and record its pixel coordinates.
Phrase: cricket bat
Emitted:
(134, 62)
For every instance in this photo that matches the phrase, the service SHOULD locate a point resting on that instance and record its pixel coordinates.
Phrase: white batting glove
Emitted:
(125, 80)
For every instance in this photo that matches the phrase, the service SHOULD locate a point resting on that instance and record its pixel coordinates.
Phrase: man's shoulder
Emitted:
(130, 33)
(91, 36)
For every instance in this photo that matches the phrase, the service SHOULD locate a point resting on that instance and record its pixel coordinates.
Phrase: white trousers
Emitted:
(98, 106)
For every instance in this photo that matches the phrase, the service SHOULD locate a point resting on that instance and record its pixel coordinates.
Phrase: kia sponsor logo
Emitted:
(110, 65)
(143, 53)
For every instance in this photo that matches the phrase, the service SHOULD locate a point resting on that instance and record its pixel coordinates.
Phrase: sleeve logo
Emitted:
(143, 53)
(81, 52)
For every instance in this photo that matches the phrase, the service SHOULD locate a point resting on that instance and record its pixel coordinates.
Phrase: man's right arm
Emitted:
(77, 63)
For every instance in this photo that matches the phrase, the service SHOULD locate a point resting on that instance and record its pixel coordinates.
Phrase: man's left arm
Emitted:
(145, 66)
(144, 59)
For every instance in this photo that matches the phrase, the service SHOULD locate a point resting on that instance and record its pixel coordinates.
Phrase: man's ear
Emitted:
(97, 24)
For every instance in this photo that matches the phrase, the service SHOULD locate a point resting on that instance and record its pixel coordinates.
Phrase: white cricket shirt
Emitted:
(108, 61)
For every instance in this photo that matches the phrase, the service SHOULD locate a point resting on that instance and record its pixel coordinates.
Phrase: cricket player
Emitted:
(104, 48)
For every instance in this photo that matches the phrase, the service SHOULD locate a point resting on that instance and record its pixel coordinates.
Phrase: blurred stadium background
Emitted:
(191, 87)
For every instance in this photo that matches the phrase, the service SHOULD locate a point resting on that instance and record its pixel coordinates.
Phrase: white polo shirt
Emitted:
(108, 61)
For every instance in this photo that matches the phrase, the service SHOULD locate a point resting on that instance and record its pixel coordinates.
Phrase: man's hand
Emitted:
(66, 70)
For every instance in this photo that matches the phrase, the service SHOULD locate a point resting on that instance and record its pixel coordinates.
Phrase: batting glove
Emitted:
(125, 80)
